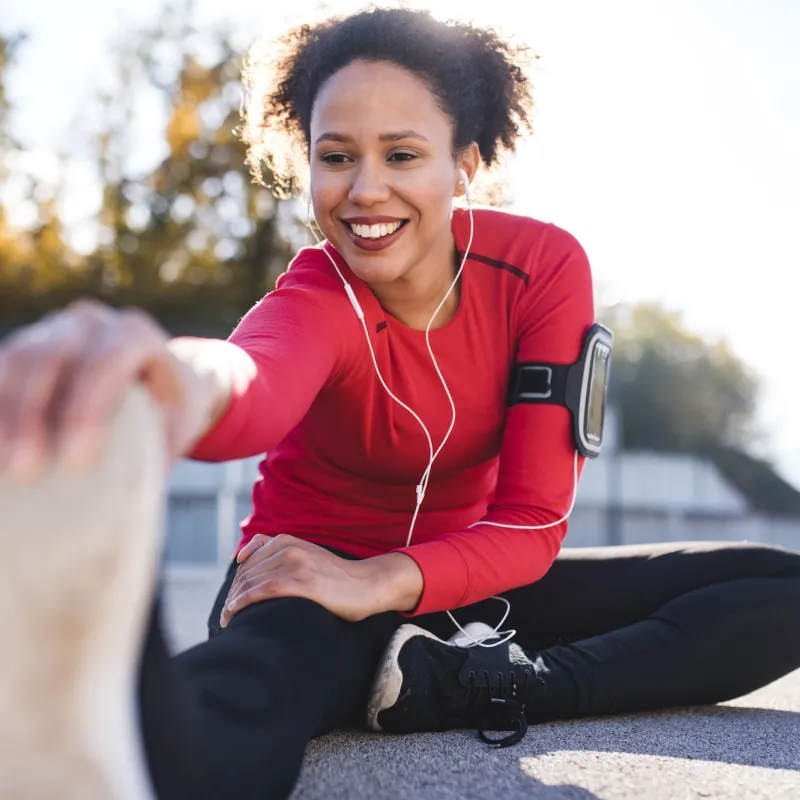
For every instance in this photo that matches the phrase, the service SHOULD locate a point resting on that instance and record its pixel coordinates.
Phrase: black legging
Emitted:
(621, 629)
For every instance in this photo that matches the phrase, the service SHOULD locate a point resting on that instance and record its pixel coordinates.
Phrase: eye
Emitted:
(335, 158)
(402, 156)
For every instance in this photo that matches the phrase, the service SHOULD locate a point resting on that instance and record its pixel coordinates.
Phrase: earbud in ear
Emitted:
(465, 182)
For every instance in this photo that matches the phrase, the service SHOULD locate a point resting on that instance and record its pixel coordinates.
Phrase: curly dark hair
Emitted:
(476, 76)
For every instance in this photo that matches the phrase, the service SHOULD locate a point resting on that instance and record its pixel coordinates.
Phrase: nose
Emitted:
(369, 186)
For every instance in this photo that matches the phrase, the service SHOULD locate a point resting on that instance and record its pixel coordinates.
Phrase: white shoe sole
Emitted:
(389, 678)
(79, 554)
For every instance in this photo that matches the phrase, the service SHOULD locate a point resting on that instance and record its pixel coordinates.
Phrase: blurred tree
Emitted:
(675, 390)
(195, 241)
(33, 259)
(13, 252)
(9, 46)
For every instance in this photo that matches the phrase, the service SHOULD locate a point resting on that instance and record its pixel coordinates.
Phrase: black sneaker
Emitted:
(427, 684)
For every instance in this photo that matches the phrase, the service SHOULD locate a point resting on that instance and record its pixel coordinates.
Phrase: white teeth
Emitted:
(375, 231)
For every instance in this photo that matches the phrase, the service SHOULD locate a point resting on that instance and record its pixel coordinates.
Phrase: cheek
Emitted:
(327, 189)
(325, 201)
(434, 205)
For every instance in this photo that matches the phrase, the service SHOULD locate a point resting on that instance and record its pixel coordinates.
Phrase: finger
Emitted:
(26, 451)
(287, 564)
(97, 390)
(34, 366)
(279, 557)
(258, 541)
(15, 392)
(247, 583)
(235, 583)
(240, 586)
(245, 574)
(290, 557)
(265, 589)
(244, 584)
(283, 542)
(246, 577)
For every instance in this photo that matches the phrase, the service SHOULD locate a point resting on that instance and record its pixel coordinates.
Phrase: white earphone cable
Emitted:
(422, 487)
(427, 474)
(360, 314)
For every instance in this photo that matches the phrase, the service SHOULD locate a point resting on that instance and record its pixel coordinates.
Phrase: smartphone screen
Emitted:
(598, 381)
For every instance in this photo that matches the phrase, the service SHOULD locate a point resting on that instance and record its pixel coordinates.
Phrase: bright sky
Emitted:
(667, 141)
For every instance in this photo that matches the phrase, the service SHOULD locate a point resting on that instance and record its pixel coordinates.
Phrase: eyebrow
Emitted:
(332, 136)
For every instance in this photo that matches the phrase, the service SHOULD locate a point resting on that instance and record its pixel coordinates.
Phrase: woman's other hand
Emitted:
(285, 566)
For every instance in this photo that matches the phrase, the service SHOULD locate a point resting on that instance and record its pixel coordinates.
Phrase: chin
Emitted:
(375, 271)
(380, 267)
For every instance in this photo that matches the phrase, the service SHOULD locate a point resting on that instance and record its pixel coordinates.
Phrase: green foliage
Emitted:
(31, 262)
(9, 46)
(194, 241)
(678, 392)
(675, 390)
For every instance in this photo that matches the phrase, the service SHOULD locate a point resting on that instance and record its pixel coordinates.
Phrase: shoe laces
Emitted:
(498, 695)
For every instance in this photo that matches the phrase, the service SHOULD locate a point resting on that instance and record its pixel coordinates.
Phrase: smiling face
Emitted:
(383, 174)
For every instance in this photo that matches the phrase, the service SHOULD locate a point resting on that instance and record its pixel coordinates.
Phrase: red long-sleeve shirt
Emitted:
(343, 459)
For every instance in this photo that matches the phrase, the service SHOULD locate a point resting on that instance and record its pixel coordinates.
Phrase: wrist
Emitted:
(396, 580)
(207, 362)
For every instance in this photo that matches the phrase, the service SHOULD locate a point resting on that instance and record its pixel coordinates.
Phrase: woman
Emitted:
(334, 610)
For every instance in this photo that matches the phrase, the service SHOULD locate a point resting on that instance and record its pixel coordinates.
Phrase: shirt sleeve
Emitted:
(290, 346)
(538, 471)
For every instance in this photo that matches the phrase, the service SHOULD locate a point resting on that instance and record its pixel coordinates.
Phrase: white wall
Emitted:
(658, 481)
(646, 480)
(658, 498)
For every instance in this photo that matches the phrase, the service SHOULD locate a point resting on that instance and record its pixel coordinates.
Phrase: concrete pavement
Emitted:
(748, 748)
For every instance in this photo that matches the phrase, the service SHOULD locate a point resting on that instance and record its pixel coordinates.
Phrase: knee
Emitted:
(770, 561)
(288, 617)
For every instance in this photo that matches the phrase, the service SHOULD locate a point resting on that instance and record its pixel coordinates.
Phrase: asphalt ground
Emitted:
(747, 748)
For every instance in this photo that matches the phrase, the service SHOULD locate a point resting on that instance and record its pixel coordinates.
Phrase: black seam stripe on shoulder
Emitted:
(380, 326)
(493, 262)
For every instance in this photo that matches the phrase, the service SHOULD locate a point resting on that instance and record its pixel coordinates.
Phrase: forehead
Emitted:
(376, 98)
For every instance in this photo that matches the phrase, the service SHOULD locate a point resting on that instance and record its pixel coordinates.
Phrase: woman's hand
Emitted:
(62, 378)
(284, 566)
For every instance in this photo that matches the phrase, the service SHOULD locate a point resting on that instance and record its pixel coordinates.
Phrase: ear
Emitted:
(469, 160)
